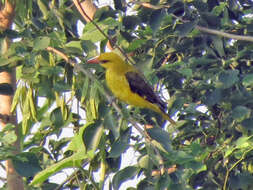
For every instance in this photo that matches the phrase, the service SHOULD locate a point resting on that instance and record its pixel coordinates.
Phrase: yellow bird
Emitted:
(129, 85)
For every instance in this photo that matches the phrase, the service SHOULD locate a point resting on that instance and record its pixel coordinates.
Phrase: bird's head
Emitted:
(108, 60)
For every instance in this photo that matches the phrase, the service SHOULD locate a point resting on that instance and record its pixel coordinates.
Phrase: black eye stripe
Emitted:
(104, 61)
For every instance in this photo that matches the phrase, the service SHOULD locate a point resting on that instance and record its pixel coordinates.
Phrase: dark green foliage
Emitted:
(211, 147)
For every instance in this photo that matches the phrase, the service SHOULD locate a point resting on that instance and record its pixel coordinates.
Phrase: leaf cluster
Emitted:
(208, 78)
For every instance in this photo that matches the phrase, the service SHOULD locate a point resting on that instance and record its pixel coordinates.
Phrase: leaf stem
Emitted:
(233, 166)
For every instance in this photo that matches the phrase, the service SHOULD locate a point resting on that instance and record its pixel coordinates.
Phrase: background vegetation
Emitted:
(197, 53)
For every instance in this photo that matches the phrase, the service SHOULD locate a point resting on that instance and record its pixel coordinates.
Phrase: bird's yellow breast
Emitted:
(119, 86)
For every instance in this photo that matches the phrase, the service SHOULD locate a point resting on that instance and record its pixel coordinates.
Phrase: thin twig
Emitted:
(233, 166)
(78, 67)
(61, 54)
(71, 177)
(83, 13)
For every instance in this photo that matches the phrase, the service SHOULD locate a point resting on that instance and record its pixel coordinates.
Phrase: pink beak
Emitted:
(93, 61)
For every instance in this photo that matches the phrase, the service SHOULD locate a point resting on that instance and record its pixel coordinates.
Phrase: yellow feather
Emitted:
(117, 82)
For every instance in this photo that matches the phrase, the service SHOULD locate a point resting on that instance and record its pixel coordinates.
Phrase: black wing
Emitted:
(138, 85)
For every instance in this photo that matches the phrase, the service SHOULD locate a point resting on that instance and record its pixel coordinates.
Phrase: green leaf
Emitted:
(7, 128)
(161, 137)
(196, 166)
(123, 175)
(243, 142)
(56, 117)
(8, 135)
(41, 43)
(185, 28)
(110, 123)
(9, 138)
(213, 97)
(217, 10)
(16, 97)
(201, 61)
(77, 141)
(163, 182)
(118, 147)
(49, 186)
(186, 72)
(242, 180)
(7, 61)
(135, 44)
(104, 13)
(229, 151)
(248, 124)
(61, 86)
(57, 38)
(73, 161)
(145, 162)
(218, 45)
(92, 135)
(211, 19)
(85, 89)
(89, 48)
(48, 70)
(248, 80)
(240, 113)
(228, 78)
(26, 164)
(74, 47)
(91, 33)
(157, 17)
(43, 9)
(28, 70)
(182, 157)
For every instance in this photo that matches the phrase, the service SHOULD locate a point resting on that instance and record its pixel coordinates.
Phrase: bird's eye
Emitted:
(104, 61)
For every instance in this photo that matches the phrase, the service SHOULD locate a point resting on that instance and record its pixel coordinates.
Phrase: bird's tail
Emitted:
(164, 115)
(167, 117)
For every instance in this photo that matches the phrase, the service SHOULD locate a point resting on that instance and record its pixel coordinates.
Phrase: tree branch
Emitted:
(224, 34)
(149, 5)
(200, 28)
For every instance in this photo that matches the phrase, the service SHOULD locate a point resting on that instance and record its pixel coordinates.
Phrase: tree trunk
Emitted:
(8, 79)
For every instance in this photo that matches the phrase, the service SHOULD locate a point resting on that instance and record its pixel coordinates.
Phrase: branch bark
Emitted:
(224, 34)
(88, 6)
(14, 180)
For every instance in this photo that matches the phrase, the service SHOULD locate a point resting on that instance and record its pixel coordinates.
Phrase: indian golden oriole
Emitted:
(129, 85)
